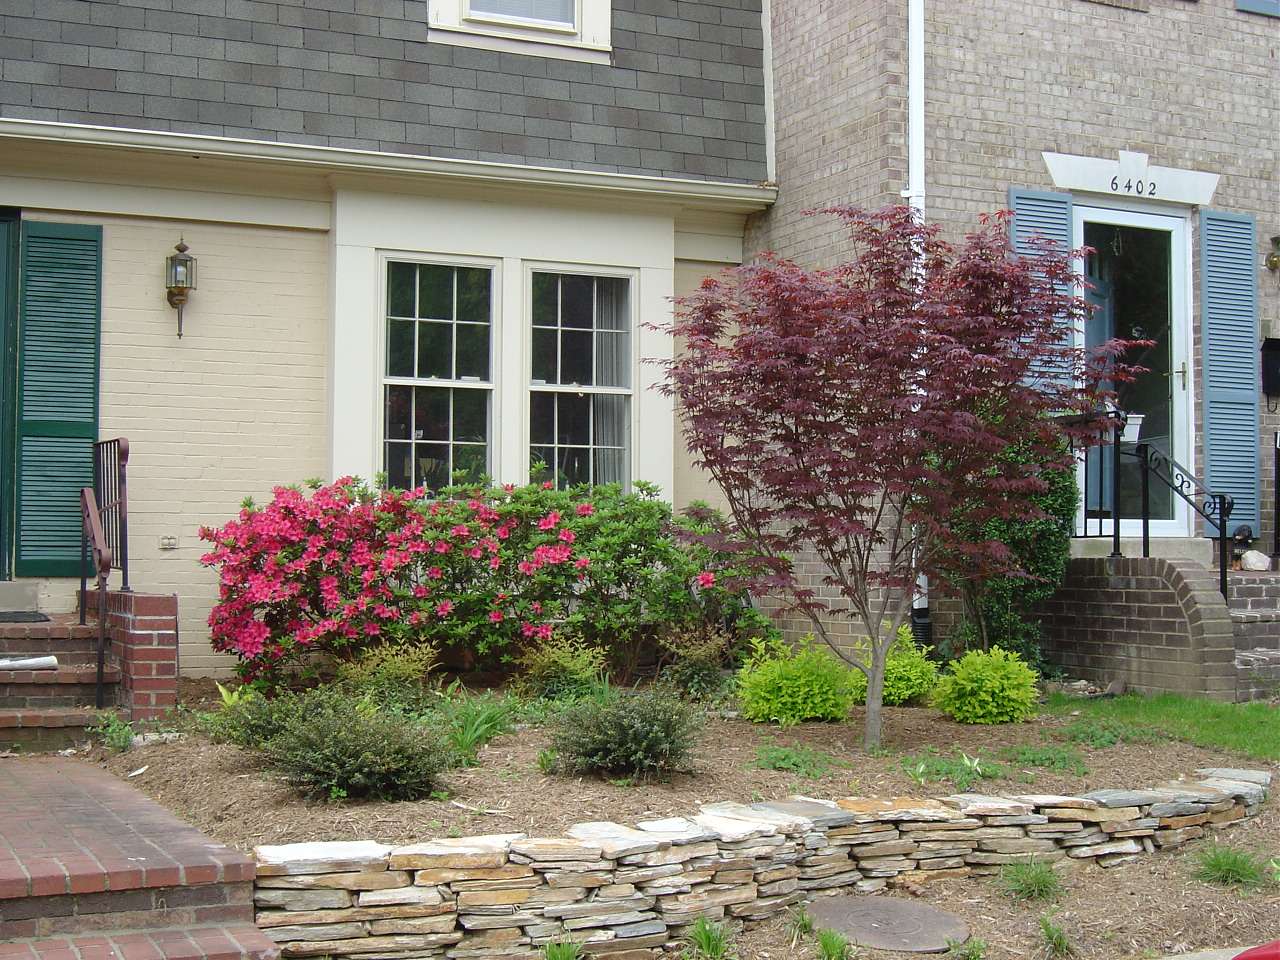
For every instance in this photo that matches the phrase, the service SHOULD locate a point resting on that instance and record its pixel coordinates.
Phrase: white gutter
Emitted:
(738, 197)
(915, 191)
(770, 122)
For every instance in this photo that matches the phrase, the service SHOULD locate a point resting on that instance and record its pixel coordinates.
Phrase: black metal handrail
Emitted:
(94, 542)
(111, 487)
(1214, 508)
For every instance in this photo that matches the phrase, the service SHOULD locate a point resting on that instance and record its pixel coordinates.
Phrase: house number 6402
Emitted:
(1142, 188)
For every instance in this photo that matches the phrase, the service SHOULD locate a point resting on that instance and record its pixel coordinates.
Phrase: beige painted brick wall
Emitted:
(239, 404)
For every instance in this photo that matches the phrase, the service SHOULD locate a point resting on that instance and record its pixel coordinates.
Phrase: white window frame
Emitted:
(588, 39)
(631, 392)
(494, 266)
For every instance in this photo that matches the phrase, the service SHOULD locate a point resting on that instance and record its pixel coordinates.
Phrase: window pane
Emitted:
(541, 460)
(435, 292)
(435, 350)
(545, 292)
(542, 418)
(469, 463)
(399, 459)
(574, 466)
(553, 11)
(432, 462)
(544, 356)
(470, 415)
(612, 360)
(400, 348)
(431, 418)
(399, 410)
(473, 350)
(400, 277)
(576, 304)
(473, 294)
(610, 466)
(609, 417)
(575, 357)
(611, 303)
(574, 420)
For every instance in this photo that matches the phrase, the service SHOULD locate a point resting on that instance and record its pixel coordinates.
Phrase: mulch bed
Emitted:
(1153, 905)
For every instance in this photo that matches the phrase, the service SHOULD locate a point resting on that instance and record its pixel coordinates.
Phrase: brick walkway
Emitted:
(90, 869)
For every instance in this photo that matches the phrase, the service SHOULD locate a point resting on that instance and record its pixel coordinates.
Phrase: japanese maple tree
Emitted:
(858, 413)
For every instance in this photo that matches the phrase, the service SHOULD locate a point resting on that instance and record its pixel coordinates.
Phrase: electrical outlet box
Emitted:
(168, 543)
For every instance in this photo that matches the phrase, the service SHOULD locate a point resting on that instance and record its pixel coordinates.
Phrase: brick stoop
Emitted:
(90, 868)
(1254, 605)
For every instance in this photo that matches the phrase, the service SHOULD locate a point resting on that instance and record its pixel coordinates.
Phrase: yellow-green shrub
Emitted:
(909, 674)
(995, 687)
(784, 685)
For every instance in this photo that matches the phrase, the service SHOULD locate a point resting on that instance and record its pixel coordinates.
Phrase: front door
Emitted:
(1137, 275)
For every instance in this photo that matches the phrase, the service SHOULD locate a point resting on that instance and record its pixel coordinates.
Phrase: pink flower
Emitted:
(582, 563)
(585, 509)
(495, 616)
(460, 530)
(495, 563)
(567, 535)
(549, 521)
(706, 579)
(546, 484)
(420, 591)
(444, 608)
(435, 573)
(536, 607)
(527, 568)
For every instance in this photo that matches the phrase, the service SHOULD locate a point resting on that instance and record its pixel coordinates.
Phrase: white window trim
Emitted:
(588, 40)
(631, 392)
(494, 265)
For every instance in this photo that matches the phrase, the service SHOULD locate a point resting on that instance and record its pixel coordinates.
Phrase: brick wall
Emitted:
(684, 95)
(1158, 625)
(144, 636)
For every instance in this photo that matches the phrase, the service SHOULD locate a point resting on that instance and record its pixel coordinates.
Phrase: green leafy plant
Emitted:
(833, 945)
(707, 940)
(1231, 867)
(1057, 945)
(971, 949)
(1102, 732)
(963, 771)
(802, 761)
(799, 925)
(1032, 880)
(784, 685)
(547, 761)
(634, 734)
(561, 668)
(249, 720)
(395, 675)
(562, 950)
(231, 696)
(699, 659)
(470, 721)
(116, 732)
(991, 687)
(1046, 756)
(333, 745)
(909, 674)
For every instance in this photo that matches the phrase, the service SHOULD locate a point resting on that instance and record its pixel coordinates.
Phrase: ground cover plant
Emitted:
(963, 771)
(802, 761)
(1032, 880)
(1229, 866)
(864, 413)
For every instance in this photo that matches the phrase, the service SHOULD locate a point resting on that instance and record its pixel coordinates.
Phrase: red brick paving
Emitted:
(232, 942)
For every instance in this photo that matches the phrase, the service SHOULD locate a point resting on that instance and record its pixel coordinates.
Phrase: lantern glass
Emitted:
(182, 272)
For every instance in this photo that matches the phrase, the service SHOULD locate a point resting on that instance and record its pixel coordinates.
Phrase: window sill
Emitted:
(557, 47)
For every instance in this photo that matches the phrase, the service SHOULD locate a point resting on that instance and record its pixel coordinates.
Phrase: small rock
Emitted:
(1255, 560)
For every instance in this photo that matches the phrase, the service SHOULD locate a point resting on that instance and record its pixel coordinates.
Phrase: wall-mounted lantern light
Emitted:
(1272, 260)
(180, 279)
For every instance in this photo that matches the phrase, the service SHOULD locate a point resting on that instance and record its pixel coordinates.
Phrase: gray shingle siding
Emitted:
(683, 97)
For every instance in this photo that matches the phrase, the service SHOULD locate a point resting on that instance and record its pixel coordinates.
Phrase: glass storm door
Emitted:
(1137, 276)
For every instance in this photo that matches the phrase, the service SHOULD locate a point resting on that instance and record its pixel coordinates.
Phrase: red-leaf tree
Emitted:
(856, 412)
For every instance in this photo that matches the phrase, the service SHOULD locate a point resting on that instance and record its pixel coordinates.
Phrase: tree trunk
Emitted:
(875, 695)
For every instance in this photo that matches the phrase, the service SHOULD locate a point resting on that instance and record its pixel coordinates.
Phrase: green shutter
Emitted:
(59, 319)
(1229, 334)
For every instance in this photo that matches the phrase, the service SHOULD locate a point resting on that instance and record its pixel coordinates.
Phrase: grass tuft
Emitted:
(562, 951)
(707, 941)
(833, 945)
(1033, 880)
(1056, 943)
(971, 949)
(799, 925)
(1231, 867)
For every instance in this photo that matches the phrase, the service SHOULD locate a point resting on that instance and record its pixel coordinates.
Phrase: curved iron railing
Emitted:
(94, 545)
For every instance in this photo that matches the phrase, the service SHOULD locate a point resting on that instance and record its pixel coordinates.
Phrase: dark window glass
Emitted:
(575, 357)
(473, 350)
(400, 348)
(400, 283)
(431, 416)
(435, 292)
(473, 294)
(435, 350)
(545, 299)
(573, 419)
(399, 412)
(470, 415)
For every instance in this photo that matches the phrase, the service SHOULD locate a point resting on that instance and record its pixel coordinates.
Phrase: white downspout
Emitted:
(914, 193)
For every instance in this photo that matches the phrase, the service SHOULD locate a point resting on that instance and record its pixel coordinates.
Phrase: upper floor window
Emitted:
(566, 29)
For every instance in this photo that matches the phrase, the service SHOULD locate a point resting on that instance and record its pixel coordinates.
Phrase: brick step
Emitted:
(68, 686)
(70, 643)
(232, 941)
(50, 728)
(1257, 674)
(1253, 590)
(93, 907)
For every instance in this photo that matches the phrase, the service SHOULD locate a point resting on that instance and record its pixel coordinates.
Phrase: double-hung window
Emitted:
(438, 383)
(567, 29)
(580, 398)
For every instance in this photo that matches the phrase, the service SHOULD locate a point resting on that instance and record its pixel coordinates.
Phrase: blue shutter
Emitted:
(1268, 8)
(1037, 213)
(59, 311)
(1229, 333)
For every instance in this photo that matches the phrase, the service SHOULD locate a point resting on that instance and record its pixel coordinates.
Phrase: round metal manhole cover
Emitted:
(883, 923)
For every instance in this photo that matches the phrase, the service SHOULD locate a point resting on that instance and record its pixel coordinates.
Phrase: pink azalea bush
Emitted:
(344, 567)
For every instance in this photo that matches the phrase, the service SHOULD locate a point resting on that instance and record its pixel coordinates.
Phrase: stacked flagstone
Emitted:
(624, 892)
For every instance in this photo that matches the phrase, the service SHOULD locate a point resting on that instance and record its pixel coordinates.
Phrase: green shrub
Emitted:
(1032, 880)
(909, 674)
(393, 675)
(699, 659)
(561, 668)
(994, 687)
(1231, 867)
(786, 686)
(635, 734)
(248, 719)
(337, 746)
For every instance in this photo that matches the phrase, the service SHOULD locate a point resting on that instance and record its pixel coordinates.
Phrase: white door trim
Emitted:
(1178, 223)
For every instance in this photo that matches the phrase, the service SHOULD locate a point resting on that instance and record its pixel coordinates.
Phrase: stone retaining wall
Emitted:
(626, 891)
